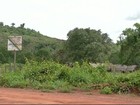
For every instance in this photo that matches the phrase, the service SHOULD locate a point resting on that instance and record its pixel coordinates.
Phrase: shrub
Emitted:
(49, 75)
(13, 79)
(79, 77)
(106, 90)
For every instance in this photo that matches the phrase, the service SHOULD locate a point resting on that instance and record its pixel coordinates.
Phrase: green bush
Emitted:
(44, 71)
(106, 90)
(79, 76)
(49, 75)
(13, 79)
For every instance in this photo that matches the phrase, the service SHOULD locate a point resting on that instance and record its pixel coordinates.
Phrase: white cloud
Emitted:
(134, 17)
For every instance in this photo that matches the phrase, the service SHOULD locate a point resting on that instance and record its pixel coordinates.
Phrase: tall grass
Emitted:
(49, 75)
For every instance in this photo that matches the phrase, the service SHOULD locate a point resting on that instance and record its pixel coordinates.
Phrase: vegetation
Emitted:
(106, 90)
(49, 75)
(82, 44)
(88, 44)
(35, 45)
(130, 45)
(51, 64)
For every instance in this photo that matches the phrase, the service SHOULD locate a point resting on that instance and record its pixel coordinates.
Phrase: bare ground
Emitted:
(28, 96)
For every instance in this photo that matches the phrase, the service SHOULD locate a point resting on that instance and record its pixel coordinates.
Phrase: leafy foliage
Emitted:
(106, 90)
(35, 45)
(130, 45)
(88, 44)
(13, 79)
(49, 75)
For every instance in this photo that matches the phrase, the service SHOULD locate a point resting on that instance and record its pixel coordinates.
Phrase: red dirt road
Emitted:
(26, 96)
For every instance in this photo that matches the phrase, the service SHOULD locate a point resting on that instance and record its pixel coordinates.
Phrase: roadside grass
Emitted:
(49, 75)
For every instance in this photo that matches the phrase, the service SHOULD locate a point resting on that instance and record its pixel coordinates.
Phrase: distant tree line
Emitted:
(82, 45)
(35, 45)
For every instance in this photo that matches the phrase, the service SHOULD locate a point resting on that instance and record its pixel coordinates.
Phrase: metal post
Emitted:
(14, 60)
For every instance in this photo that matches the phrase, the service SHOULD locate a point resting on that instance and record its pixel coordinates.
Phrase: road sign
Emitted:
(15, 43)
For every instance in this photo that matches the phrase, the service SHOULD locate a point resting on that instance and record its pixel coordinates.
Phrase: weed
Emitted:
(49, 75)
(106, 90)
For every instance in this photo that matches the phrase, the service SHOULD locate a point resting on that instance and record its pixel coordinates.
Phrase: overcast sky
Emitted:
(55, 18)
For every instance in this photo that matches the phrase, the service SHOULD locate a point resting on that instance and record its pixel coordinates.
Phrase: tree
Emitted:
(76, 43)
(22, 25)
(88, 44)
(1, 24)
(130, 45)
(13, 24)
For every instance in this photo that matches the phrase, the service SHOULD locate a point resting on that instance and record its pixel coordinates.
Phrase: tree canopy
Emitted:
(88, 44)
(130, 45)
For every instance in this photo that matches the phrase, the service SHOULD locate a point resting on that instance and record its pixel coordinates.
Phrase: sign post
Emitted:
(14, 44)
(14, 60)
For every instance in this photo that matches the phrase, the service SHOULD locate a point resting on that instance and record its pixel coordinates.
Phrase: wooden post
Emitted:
(14, 60)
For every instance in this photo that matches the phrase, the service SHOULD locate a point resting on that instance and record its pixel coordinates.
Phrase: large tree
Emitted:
(130, 45)
(88, 44)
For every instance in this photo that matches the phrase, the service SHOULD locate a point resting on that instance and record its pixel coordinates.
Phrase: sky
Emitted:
(55, 18)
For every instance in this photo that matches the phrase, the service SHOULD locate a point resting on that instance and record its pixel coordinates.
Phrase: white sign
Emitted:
(15, 43)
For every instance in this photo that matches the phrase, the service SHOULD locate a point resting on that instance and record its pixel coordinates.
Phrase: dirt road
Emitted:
(26, 96)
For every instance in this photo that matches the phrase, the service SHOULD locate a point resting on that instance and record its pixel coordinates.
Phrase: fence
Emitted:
(116, 68)
(9, 67)
(122, 68)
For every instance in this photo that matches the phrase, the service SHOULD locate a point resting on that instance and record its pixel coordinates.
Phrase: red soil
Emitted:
(27, 96)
